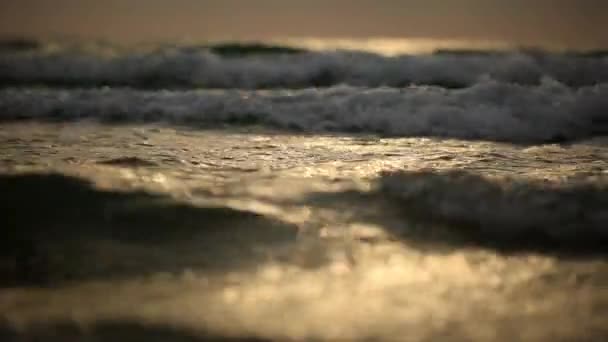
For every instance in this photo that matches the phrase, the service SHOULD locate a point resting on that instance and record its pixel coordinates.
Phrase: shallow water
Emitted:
(250, 232)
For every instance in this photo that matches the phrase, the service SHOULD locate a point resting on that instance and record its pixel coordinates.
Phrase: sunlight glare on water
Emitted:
(292, 236)
(392, 46)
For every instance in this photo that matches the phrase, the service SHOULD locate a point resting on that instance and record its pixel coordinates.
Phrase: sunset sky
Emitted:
(573, 23)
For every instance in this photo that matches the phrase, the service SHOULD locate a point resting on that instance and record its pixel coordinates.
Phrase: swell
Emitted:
(550, 112)
(507, 213)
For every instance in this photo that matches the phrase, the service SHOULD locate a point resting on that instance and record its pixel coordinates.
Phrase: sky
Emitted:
(569, 23)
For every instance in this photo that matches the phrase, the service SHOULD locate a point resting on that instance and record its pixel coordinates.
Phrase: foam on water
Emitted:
(208, 68)
(489, 110)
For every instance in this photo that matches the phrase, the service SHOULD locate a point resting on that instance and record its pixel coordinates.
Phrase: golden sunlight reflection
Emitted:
(335, 251)
(394, 46)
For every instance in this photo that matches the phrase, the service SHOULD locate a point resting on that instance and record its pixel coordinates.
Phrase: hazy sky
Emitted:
(575, 23)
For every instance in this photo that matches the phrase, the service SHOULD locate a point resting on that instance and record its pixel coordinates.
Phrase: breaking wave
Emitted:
(489, 110)
(262, 67)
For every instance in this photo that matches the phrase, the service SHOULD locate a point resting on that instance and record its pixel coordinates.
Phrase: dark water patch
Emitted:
(529, 51)
(60, 229)
(8, 45)
(589, 54)
(468, 52)
(115, 331)
(128, 162)
(243, 49)
(514, 215)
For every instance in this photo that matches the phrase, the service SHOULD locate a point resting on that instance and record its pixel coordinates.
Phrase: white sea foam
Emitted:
(198, 67)
(488, 110)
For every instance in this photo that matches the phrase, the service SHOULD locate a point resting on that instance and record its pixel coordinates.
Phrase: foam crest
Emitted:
(550, 112)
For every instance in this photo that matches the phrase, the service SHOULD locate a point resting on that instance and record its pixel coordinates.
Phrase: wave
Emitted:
(490, 110)
(566, 215)
(261, 67)
(243, 49)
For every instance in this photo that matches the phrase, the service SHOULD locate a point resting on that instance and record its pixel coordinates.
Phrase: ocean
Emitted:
(303, 190)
